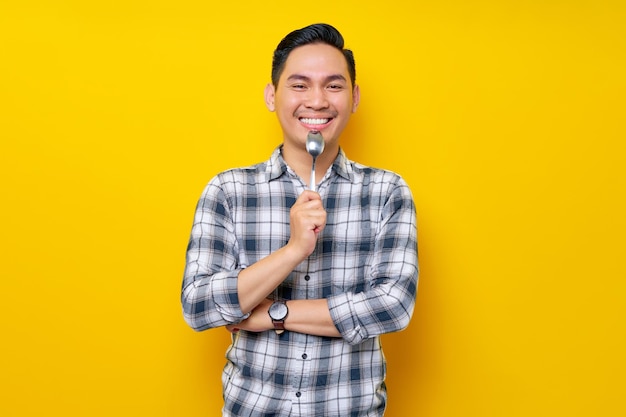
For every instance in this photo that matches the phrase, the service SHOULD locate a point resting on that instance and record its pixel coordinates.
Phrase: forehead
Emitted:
(316, 60)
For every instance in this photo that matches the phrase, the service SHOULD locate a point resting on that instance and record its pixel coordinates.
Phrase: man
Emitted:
(306, 281)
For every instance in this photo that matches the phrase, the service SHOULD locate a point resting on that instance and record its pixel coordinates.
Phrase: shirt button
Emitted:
(304, 356)
(298, 394)
(307, 277)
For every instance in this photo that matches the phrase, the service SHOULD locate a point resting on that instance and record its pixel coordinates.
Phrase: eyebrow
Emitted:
(300, 77)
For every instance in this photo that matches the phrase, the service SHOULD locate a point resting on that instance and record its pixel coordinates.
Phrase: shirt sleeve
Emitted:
(387, 303)
(209, 292)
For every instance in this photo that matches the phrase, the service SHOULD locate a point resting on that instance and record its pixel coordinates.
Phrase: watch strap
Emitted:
(279, 326)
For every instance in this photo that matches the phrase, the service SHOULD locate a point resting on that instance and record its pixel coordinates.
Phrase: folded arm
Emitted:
(218, 292)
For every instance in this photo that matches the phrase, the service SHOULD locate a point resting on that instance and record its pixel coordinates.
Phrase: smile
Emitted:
(309, 121)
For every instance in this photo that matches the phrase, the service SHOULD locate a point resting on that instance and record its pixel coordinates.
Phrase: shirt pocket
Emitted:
(352, 246)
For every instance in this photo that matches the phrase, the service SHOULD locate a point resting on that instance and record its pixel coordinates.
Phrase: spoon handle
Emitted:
(312, 187)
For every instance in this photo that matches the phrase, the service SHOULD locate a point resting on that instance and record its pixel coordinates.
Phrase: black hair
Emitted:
(317, 33)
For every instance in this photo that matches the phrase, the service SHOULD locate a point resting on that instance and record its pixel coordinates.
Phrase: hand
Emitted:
(258, 321)
(307, 220)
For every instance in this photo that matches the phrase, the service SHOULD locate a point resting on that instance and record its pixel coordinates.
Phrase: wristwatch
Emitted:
(278, 313)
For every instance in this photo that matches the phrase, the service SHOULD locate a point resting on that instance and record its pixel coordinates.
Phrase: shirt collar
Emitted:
(277, 166)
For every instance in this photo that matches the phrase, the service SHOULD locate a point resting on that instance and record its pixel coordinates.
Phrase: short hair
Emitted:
(312, 34)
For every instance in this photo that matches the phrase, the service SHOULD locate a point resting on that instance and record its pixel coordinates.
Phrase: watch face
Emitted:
(278, 311)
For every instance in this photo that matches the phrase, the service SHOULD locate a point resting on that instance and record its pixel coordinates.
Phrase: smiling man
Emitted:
(305, 281)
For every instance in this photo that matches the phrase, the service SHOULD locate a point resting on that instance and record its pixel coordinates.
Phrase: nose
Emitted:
(317, 99)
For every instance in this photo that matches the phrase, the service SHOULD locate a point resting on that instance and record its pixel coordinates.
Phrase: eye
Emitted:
(298, 86)
(335, 87)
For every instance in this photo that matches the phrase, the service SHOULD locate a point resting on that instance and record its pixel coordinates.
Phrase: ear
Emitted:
(356, 97)
(270, 95)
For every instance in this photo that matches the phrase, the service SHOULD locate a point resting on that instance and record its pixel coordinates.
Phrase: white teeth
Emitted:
(314, 121)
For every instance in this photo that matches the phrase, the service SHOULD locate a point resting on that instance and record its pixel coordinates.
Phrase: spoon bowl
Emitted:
(314, 143)
(315, 147)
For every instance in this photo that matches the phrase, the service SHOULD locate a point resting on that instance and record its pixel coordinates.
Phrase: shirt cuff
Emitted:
(341, 307)
(227, 298)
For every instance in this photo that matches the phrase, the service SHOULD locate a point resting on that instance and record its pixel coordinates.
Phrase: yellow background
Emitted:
(505, 117)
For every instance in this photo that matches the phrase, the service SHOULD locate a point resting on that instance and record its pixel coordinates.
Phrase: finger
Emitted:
(232, 329)
(308, 195)
(304, 205)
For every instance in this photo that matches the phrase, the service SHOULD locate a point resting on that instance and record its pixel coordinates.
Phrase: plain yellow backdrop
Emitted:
(505, 117)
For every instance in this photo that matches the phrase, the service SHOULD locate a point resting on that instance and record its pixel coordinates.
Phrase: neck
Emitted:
(301, 161)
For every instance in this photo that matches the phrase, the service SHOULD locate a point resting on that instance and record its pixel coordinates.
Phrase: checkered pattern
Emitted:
(365, 265)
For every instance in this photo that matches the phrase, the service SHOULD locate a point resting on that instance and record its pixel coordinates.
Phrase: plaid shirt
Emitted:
(365, 265)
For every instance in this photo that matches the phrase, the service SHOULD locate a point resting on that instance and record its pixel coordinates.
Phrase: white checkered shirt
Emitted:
(365, 265)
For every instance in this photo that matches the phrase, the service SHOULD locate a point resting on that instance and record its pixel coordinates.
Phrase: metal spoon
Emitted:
(315, 147)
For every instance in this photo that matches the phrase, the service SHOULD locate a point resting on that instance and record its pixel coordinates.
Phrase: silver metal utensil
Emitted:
(315, 147)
